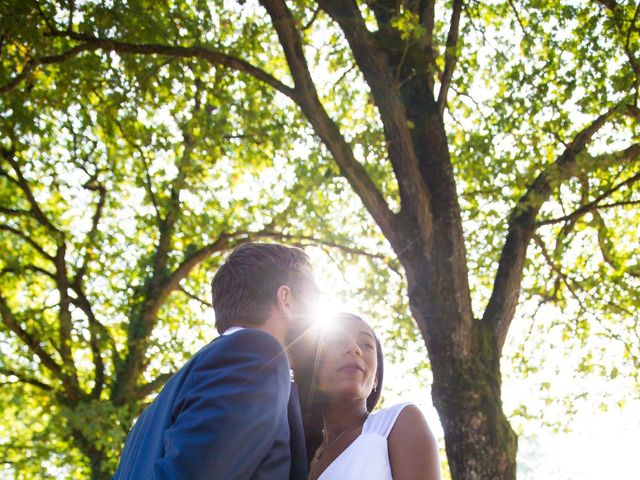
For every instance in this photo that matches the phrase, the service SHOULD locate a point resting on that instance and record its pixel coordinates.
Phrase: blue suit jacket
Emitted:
(227, 414)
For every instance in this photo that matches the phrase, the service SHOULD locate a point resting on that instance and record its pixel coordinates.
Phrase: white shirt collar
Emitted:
(231, 330)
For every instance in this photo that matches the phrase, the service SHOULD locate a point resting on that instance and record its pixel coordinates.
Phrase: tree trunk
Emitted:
(97, 464)
(97, 458)
(480, 441)
(466, 392)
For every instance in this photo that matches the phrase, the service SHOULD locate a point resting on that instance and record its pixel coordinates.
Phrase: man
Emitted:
(231, 412)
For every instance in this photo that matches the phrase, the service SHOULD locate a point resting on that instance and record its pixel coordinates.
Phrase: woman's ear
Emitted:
(284, 299)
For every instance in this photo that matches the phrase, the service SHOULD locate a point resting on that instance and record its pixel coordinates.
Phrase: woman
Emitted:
(394, 443)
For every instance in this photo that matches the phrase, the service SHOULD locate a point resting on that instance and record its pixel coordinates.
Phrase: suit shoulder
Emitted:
(248, 345)
(254, 339)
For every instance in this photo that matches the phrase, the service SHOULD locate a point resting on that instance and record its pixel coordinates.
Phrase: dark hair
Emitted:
(372, 400)
(244, 287)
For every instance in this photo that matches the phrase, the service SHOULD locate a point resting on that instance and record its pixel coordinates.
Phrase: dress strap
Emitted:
(383, 420)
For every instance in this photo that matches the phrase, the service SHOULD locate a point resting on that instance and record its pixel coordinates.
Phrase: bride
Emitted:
(343, 387)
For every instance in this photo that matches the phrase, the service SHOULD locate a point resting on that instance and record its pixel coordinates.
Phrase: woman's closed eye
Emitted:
(366, 345)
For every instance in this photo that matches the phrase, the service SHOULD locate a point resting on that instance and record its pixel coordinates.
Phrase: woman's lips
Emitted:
(351, 368)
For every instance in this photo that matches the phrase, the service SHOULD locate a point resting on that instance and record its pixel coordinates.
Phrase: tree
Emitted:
(470, 131)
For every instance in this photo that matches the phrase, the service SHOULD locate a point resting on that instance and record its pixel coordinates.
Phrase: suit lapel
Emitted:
(299, 470)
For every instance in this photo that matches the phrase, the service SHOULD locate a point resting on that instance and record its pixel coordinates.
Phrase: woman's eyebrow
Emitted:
(367, 333)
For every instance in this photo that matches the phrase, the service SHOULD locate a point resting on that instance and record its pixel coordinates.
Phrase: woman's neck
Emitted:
(342, 416)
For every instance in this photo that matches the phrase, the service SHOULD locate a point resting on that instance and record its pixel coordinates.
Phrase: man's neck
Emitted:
(275, 328)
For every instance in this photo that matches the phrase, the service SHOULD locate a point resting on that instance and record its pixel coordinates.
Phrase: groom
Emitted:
(231, 412)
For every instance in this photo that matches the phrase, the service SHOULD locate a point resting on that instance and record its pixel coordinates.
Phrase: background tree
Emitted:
(469, 130)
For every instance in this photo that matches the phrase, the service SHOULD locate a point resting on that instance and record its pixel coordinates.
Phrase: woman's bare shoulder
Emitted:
(412, 447)
(410, 422)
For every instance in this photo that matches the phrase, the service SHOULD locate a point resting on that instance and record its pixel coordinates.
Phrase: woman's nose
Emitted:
(353, 346)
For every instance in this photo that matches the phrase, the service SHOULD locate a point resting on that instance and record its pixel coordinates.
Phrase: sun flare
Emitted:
(327, 310)
(324, 314)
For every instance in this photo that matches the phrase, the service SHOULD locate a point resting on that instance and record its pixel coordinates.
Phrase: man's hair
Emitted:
(244, 289)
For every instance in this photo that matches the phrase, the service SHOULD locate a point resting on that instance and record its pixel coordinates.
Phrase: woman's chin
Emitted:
(349, 393)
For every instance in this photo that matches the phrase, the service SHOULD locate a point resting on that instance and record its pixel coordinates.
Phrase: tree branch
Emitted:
(610, 4)
(313, 18)
(25, 378)
(633, 112)
(37, 61)
(64, 314)
(517, 15)
(60, 275)
(34, 344)
(594, 204)
(72, 9)
(149, 181)
(96, 330)
(451, 55)
(561, 275)
(147, 389)
(307, 98)
(223, 242)
(28, 239)
(609, 251)
(26, 267)
(618, 204)
(632, 58)
(11, 212)
(91, 235)
(383, 10)
(38, 214)
(381, 79)
(308, 241)
(204, 303)
(212, 56)
(427, 16)
(522, 224)
(167, 225)
(82, 302)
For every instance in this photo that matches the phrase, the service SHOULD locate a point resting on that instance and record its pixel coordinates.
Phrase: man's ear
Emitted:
(284, 298)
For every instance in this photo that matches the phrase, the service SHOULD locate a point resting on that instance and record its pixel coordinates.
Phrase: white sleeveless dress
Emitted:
(368, 456)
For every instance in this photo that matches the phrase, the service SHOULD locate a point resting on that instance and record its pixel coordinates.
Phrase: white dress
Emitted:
(368, 456)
